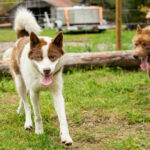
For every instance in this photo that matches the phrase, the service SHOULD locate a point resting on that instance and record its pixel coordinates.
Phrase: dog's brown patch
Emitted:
(55, 49)
(21, 33)
(20, 46)
(36, 45)
(54, 52)
(16, 54)
(13, 63)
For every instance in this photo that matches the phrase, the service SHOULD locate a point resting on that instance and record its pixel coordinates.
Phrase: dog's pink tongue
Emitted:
(144, 64)
(46, 80)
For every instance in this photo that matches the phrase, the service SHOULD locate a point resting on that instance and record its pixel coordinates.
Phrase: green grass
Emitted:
(7, 35)
(91, 41)
(106, 108)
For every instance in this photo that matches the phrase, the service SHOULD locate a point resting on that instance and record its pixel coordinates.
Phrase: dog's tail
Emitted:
(25, 23)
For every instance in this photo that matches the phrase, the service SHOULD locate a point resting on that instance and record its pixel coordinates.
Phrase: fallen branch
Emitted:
(122, 59)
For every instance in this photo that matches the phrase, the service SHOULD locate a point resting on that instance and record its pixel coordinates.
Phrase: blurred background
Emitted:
(88, 25)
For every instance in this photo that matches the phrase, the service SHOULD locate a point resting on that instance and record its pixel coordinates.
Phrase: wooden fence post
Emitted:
(118, 24)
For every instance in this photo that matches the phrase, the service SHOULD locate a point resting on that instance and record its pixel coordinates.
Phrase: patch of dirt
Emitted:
(75, 44)
(145, 86)
(103, 47)
(9, 100)
(98, 129)
(5, 45)
(80, 40)
(2, 110)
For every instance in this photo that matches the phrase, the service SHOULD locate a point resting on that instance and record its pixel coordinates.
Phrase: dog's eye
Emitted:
(52, 57)
(39, 57)
(144, 44)
(136, 44)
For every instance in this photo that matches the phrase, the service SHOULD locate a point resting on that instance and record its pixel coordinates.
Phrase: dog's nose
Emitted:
(47, 71)
(135, 56)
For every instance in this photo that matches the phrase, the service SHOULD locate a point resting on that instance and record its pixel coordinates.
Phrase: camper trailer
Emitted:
(80, 18)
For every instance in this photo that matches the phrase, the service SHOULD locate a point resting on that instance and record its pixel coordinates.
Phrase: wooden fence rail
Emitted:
(122, 59)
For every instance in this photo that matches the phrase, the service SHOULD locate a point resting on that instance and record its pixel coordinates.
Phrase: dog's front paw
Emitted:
(66, 139)
(28, 125)
(39, 131)
(39, 127)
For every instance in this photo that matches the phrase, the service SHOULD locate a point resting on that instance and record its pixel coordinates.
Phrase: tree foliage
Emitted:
(105, 3)
(132, 10)
(5, 4)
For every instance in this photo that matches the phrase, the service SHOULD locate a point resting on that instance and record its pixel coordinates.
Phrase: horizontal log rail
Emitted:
(122, 59)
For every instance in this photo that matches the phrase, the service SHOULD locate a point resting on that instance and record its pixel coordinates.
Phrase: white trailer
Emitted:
(80, 18)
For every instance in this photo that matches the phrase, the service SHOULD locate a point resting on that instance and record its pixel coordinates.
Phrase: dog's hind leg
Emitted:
(21, 89)
(36, 108)
(20, 107)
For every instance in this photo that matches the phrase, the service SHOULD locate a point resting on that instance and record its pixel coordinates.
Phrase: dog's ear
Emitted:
(139, 29)
(58, 40)
(34, 40)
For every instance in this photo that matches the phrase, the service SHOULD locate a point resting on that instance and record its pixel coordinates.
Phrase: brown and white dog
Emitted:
(36, 66)
(141, 43)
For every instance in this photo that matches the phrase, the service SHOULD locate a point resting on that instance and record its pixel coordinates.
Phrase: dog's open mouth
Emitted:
(47, 79)
(144, 63)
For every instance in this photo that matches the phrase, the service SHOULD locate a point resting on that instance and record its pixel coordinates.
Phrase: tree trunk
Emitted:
(122, 59)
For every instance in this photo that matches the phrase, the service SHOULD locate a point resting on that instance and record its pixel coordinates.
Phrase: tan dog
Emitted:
(141, 43)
